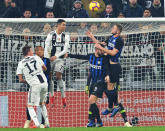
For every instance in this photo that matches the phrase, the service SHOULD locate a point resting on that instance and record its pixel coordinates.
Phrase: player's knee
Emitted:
(92, 100)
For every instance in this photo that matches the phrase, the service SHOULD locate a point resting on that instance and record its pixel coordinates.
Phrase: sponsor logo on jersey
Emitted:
(95, 67)
(58, 44)
(111, 45)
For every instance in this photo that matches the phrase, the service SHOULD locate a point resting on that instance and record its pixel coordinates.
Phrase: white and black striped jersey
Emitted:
(56, 45)
(31, 68)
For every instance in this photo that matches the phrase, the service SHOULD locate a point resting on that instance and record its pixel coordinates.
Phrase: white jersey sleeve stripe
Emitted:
(47, 46)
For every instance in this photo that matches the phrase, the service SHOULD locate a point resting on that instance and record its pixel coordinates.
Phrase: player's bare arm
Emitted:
(109, 52)
(44, 68)
(90, 35)
(21, 80)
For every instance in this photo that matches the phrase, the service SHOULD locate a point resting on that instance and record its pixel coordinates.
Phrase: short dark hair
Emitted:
(147, 9)
(120, 28)
(27, 9)
(60, 21)
(26, 49)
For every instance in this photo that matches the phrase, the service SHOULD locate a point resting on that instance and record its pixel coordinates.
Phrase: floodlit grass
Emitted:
(90, 129)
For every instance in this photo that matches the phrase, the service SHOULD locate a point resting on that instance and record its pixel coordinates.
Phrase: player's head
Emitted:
(39, 50)
(98, 51)
(27, 51)
(116, 29)
(61, 25)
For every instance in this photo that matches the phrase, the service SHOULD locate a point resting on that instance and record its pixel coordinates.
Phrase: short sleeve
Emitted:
(19, 69)
(119, 43)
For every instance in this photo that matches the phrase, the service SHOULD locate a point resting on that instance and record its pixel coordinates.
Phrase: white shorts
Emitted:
(57, 66)
(37, 94)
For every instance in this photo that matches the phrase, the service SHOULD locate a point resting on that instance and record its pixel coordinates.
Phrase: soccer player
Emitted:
(115, 45)
(56, 46)
(98, 70)
(39, 51)
(32, 68)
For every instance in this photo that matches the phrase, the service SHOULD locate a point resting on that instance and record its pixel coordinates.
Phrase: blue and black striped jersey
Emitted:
(115, 42)
(47, 64)
(99, 66)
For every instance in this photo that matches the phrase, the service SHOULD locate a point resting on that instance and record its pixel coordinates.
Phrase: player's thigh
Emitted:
(115, 71)
(59, 66)
(43, 93)
(92, 99)
(34, 96)
(98, 89)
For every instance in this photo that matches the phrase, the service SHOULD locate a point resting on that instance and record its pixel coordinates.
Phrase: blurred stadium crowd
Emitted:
(79, 8)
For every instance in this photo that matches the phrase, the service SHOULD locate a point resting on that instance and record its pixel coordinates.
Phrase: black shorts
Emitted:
(98, 89)
(115, 71)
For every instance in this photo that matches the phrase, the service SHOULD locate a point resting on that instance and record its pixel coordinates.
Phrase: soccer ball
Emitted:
(94, 6)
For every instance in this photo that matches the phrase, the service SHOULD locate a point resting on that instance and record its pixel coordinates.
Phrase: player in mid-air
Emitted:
(31, 67)
(56, 46)
(98, 69)
(115, 45)
(39, 51)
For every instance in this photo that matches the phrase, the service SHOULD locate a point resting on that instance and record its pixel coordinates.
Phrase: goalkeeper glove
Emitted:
(118, 88)
(86, 89)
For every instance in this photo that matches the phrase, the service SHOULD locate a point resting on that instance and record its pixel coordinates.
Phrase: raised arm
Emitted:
(81, 57)
(90, 35)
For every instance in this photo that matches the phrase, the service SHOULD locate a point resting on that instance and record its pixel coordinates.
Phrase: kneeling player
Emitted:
(98, 69)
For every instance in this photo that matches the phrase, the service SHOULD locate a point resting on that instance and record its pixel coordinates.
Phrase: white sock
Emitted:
(51, 88)
(45, 114)
(33, 116)
(60, 83)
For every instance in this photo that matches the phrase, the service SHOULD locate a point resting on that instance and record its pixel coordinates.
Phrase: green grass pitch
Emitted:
(90, 129)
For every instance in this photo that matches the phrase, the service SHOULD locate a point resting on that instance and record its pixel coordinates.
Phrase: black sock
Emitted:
(123, 113)
(27, 114)
(91, 112)
(115, 98)
(43, 120)
(112, 98)
(97, 113)
(55, 85)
